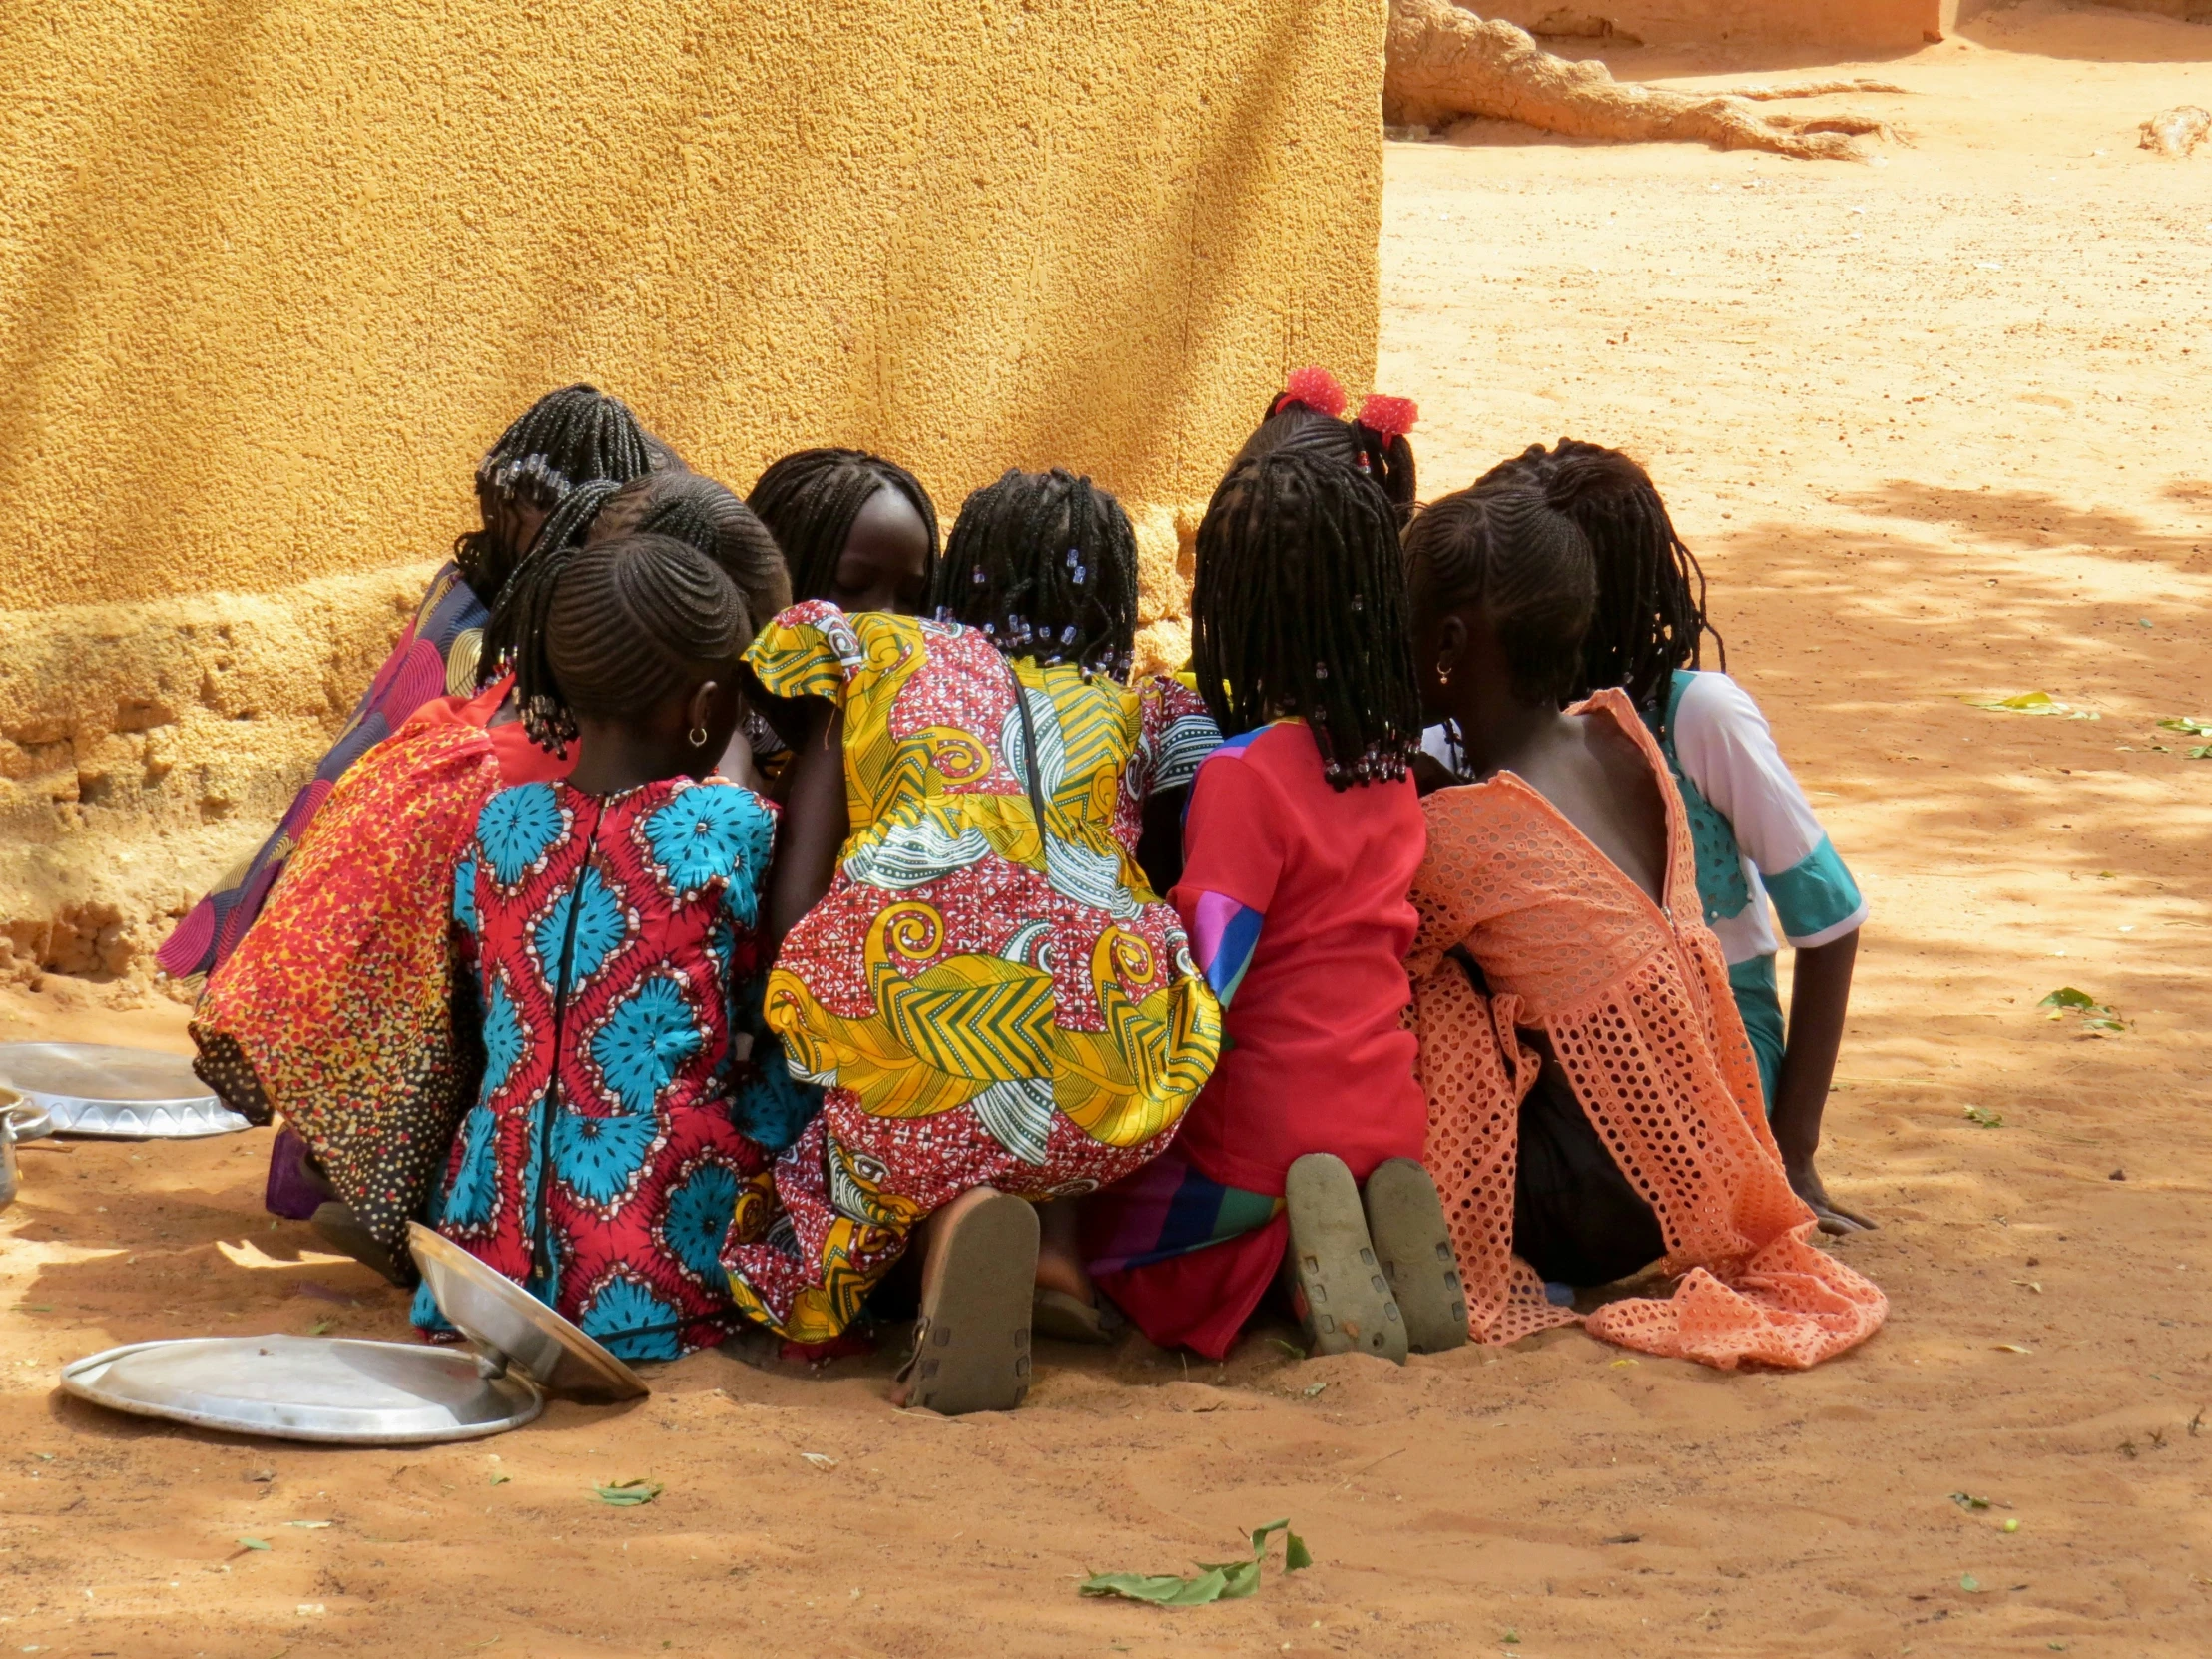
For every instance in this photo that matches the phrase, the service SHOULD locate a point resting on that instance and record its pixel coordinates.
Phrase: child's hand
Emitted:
(1834, 1220)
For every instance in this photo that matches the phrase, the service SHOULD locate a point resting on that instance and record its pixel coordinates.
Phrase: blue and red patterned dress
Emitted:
(617, 974)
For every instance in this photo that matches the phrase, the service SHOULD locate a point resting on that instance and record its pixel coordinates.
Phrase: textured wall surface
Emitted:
(272, 273)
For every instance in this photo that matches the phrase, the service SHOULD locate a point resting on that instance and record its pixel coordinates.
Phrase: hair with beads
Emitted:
(1504, 548)
(566, 438)
(1300, 608)
(1305, 417)
(1650, 618)
(1045, 563)
(634, 620)
(809, 500)
(695, 509)
(687, 506)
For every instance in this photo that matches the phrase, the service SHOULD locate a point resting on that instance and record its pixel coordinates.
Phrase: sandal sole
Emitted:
(1337, 1283)
(974, 1352)
(1406, 1220)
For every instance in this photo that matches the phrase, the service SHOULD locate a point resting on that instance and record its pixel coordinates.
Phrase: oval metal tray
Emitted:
(337, 1390)
(101, 1090)
(510, 1324)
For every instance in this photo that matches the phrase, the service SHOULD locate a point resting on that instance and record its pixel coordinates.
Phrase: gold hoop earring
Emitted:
(1443, 673)
(699, 737)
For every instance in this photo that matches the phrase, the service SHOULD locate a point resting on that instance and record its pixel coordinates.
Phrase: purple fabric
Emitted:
(295, 1190)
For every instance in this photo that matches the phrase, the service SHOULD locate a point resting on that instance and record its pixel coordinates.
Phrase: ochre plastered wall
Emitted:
(272, 273)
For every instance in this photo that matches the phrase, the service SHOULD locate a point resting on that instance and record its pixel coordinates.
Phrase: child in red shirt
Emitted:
(1302, 839)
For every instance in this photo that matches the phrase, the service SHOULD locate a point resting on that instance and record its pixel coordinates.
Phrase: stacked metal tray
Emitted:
(98, 1089)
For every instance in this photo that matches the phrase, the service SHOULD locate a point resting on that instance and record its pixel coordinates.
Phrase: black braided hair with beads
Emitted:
(1045, 564)
(1300, 608)
(1650, 617)
(1388, 459)
(810, 499)
(565, 438)
(636, 618)
(695, 509)
(1505, 548)
(514, 633)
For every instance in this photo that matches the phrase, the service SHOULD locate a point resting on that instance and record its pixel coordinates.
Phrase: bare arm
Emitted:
(1820, 997)
(814, 828)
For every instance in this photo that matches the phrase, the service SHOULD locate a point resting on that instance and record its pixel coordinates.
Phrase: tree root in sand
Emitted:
(2178, 132)
(1446, 64)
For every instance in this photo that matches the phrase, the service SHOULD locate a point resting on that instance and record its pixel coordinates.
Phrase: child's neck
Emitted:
(1501, 733)
(615, 756)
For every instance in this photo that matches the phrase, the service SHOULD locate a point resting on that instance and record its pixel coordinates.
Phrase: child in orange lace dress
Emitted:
(1303, 833)
(1593, 1101)
(1758, 845)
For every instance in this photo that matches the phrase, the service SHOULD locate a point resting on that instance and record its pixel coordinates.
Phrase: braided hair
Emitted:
(1300, 608)
(810, 499)
(636, 620)
(1305, 418)
(563, 439)
(1650, 617)
(694, 508)
(1045, 563)
(1506, 549)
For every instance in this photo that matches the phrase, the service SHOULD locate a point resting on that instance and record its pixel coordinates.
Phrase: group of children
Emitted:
(711, 901)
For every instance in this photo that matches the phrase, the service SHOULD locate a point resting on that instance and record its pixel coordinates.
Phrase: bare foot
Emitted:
(1061, 1254)
(1834, 1219)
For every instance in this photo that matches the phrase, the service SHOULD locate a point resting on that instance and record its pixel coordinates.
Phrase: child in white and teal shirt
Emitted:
(1759, 846)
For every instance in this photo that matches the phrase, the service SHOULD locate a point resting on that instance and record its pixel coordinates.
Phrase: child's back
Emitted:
(1317, 1053)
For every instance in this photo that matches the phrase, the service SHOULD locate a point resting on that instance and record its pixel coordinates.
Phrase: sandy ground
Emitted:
(1938, 429)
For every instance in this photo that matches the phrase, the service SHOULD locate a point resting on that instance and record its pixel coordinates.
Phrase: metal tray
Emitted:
(336, 1389)
(97, 1089)
(512, 1328)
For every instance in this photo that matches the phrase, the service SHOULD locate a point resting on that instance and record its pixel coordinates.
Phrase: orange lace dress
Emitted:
(1635, 1001)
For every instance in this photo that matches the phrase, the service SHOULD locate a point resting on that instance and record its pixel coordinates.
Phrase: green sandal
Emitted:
(1406, 1219)
(1336, 1286)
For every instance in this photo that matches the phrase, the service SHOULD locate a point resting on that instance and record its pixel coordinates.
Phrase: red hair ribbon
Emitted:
(1393, 418)
(1317, 388)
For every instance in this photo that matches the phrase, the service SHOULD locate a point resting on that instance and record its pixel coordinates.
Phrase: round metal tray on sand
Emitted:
(97, 1089)
(510, 1324)
(334, 1390)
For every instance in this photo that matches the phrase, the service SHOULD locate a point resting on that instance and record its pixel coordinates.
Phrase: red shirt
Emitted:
(1316, 1057)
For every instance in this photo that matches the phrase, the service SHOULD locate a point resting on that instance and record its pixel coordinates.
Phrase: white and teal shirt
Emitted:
(1758, 843)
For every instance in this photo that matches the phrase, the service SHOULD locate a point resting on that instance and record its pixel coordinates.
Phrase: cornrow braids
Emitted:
(565, 438)
(1300, 608)
(1296, 426)
(1045, 563)
(634, 620)
(810, 499)
(1650, 617)
(695, 509)
(514, 635)
(1528, 566)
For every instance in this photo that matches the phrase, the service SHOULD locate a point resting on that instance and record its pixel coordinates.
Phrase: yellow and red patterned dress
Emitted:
(983, 1005)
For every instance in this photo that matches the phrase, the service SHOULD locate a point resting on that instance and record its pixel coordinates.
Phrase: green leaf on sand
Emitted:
(2194, 726)
(1967, 1500)
(501, 1479)
(1292, 1349)
(320, 1325)
(1984, 1117)
(253, 1543)
(1213, 1581)
(628, 1495)
(1970, 1584)
(2032, 703)
(2095, 1016)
